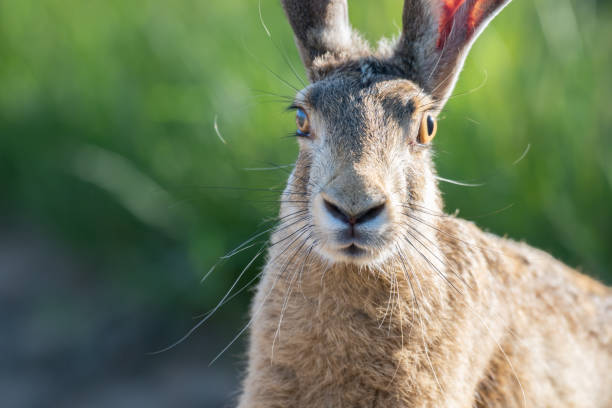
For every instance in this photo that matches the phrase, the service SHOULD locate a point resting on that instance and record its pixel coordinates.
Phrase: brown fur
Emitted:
(434, 312)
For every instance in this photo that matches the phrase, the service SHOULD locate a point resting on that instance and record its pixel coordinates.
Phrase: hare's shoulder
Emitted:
(465, 242)
(536, 277)
(514, 257)
(546, 268)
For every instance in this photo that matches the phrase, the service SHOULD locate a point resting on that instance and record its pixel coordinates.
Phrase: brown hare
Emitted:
(371, 295)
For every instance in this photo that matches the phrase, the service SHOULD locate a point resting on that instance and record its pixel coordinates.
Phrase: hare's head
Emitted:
(364, 173)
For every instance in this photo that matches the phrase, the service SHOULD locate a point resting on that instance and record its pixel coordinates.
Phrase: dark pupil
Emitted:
(430, 125)
(301, 119)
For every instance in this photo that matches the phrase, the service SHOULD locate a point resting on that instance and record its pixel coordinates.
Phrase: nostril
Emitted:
(344, 216)
(370, 214)
(336, 212)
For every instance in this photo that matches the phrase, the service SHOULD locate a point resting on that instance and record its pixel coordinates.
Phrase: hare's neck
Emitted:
(394, 294)
(411, 287)
(368, 326)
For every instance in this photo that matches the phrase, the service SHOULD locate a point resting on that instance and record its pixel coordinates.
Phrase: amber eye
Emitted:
(428, 129)
(302, 122)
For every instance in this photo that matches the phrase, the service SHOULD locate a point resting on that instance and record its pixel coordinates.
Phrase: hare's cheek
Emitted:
(327, 224)
(305, 144)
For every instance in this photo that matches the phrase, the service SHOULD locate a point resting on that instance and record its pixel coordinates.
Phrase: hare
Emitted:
(372, 296)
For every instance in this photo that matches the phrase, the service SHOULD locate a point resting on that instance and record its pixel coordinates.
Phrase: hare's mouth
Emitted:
(362, 250)
(354, 251)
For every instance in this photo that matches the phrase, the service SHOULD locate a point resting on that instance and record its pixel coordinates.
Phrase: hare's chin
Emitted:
(352, 254)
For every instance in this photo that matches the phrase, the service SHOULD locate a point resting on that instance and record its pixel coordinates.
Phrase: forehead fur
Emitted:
(360, 102)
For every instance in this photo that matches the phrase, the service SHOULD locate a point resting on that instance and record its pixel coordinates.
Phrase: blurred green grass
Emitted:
(108, 143)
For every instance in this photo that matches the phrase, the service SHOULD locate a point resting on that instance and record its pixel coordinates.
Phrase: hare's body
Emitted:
(372, 296)
(348, 338)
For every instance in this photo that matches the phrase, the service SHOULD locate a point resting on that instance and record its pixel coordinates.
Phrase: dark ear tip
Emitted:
(321, 27)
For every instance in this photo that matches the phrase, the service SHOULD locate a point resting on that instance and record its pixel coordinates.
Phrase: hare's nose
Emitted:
(354, 218)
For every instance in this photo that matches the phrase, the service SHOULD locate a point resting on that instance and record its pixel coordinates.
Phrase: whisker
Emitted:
(289, 236)
(283, 54)
(268, 168)
(216, 128)
(251, 239)
(284, 81)
(448, 234)
(494, 212)
(205, 318)
(445, 263)
(459, 183)
(476, 89)
(386, 311)
(257, 312)
(426, 349)
(288, 295)
(238, 292)
(522, 155)
(308, 182)
(263, 24)
(246, 243)
(438, 271)
(416, 207)
(261, 92)
(407, 277)
(314, 244)
(231, 188)
(279, 201)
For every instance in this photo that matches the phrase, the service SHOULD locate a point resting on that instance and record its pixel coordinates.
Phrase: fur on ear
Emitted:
(322, 30)
(473, 14)
(449, 9)
(437, 36)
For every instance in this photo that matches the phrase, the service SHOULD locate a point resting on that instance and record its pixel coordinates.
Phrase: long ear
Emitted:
(437, 36)
(321, 28)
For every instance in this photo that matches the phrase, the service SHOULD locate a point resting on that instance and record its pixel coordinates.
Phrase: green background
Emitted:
(118, 195)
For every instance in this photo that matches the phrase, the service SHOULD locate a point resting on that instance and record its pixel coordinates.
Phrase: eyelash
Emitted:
(304, 117)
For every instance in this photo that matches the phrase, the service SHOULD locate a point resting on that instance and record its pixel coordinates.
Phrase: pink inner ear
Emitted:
(449, 9)
(476, 14)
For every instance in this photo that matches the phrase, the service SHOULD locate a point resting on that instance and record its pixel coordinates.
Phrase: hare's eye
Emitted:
(302, 122)
(428, 129)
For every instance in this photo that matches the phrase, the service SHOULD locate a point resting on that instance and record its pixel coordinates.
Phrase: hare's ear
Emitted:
(437, 36)
(321, 28)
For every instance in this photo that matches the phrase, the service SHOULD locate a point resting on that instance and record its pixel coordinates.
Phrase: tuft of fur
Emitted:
(433, 312)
